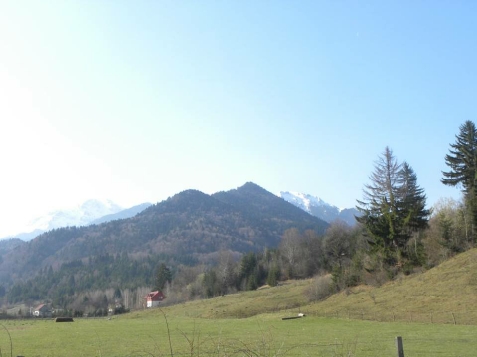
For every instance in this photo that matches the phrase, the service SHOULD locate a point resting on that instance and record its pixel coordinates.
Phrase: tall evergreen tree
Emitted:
(462, 161)
(211, 284)
(412, 202)
(163, 276)
(393, 206)
(249, 268)
(378, 208)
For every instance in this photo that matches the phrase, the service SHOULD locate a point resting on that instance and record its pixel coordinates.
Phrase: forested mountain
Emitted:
(184, 228)
(261, 206)
(7, 245)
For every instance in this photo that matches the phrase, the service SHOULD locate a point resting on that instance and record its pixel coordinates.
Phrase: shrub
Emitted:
(320, 288)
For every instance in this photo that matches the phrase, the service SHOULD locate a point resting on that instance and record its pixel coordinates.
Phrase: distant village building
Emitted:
(42, 311)
(154, 298)
(117, 308)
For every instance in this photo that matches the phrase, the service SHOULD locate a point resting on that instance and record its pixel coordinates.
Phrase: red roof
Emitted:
(155, 296)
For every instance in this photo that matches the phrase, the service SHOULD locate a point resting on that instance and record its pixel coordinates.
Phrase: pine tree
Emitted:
(163, 276)
(393, 207)
(412, 202)
(248, 271)
(462, 161)
(273, 275)
(378, 208)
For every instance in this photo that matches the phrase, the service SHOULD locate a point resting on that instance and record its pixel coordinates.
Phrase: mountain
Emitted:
(81, 215)
(28, 236)
(186, 227)
(7, 245)
(126, 213)
(319, 208)
(348, 215)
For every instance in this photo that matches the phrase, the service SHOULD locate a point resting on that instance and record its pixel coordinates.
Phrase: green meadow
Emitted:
(432, 311)
(149, 334)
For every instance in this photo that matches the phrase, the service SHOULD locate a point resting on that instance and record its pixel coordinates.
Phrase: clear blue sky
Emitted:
(138, 100)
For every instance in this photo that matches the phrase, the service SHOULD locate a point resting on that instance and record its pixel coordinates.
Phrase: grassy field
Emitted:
(250, 324)
(263, 335)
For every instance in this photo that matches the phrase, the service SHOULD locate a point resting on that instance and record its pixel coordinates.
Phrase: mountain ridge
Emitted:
(100, 211)
(123, 214)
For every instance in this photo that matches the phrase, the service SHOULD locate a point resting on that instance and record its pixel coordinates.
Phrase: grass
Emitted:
(446, 292)
(145, 334)
(247, 324)
(245, 304)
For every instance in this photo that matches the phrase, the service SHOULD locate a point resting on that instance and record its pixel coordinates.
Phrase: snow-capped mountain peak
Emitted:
(319, 208)
(94, 209)
(303, 200)
(80, 215)
(85, 214)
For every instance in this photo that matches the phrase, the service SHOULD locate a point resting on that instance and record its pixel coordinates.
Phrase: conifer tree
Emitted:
(163, 276)
(462, 161)
(412, 202)
(378, 208)
(393, 207)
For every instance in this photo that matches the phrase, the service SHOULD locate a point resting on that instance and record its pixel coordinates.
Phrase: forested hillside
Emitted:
(6, 245)
(187, 229)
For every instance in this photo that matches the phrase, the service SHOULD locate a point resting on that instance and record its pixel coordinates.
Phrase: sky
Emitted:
(135, 101)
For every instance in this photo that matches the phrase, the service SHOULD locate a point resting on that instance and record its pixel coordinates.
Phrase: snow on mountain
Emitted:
(319, 208)
(304, 201)
(81, 215)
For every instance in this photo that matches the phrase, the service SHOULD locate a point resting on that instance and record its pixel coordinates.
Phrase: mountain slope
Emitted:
(7, 245)
(449, 287)
(259, 204)
(190, 223)
(30, 235)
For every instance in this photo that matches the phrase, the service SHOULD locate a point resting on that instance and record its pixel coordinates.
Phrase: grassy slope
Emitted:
(449, 288)
(246, 304)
